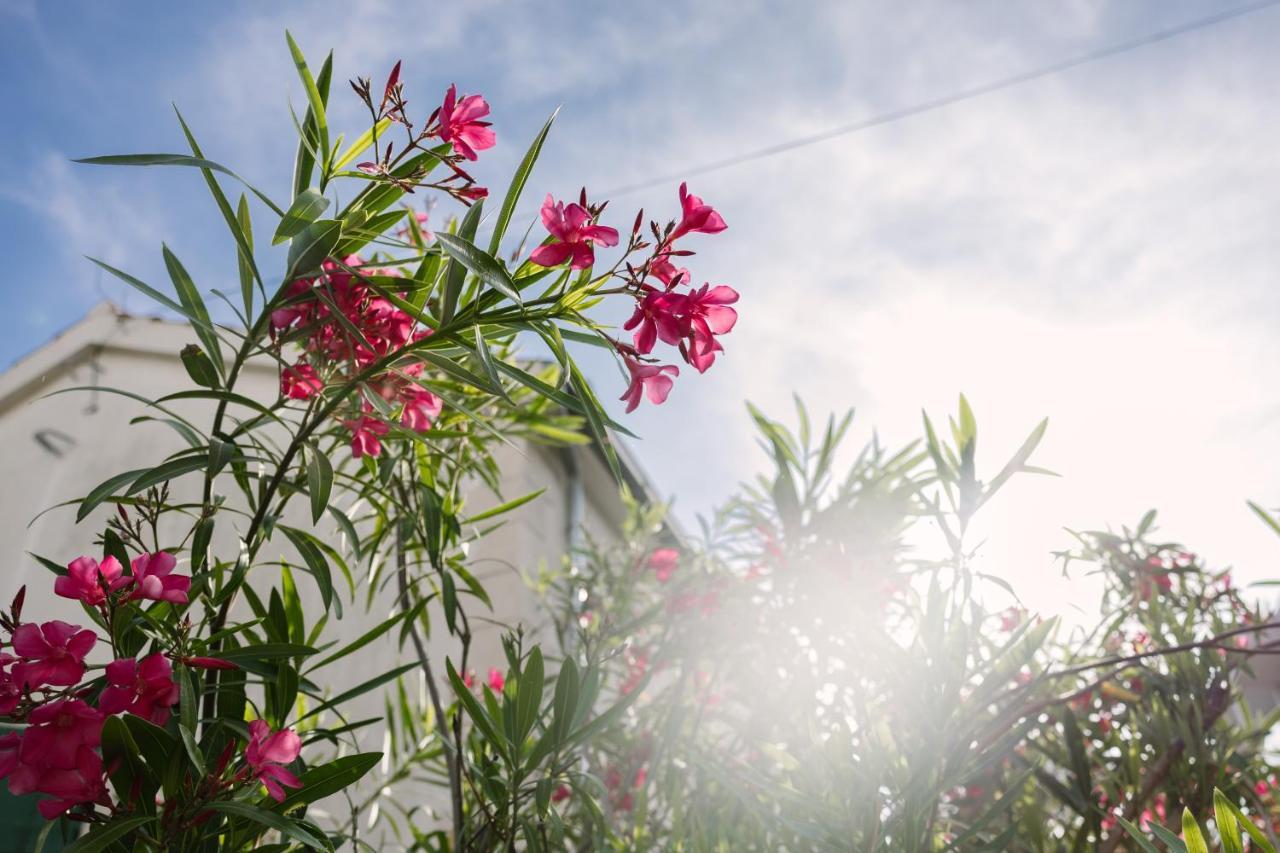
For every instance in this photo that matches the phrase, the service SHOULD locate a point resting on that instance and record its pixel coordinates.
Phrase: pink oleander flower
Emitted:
(648, 380)
(571, 226)
(561, 793)
(10, 690)
(53, 740)
(90, 581)
(300, 382)
(460, 123)
(696, 216)
(657, 317)
(364, 435)
(151, 572)
(70, 787)
(266, 754)
(706, 315)
(666, 272)
(53, 653)
(496, 680)
(664, 562)
(144, 688)
(421, 408)
(10, 748)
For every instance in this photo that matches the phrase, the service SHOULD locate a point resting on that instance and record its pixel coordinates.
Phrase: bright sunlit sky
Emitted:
(1097, 246)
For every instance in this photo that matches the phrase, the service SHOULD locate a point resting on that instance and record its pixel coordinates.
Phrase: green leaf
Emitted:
(1261, 840)
(1228, 829)
(477, 713)
(104, 836)
(361, 142)
(262, 651)
(503, 508)
(155, 295)
(367, 637)
(1137, 836)
(199, 367)
(314, 98)
(271, 820)
(315, 560)
(175, 160)
(489, 269)
(489, 363)
(361, 689)
(165, 471)
(310, 247)
(1191, 834)
(104, 490)
(189, 296)
(193, 749)
(456, 272)
(306, 208)
(1265, 516)
(244, 256)
(319, 482)
(529, 695)
(518, 181)
(319, 782)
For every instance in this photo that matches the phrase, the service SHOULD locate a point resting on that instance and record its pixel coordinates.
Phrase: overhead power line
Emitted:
(944, 101)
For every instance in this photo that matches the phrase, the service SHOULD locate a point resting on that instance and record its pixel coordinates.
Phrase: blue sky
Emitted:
(1097, 246)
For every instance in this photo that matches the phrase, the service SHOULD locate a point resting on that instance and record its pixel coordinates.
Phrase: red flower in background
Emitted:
(460, 123)
(571, 226)
(496, 681)
(664, 562)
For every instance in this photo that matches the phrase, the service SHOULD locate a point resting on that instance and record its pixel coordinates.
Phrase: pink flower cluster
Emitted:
(670, 310)
(311, 313)
(42, 672)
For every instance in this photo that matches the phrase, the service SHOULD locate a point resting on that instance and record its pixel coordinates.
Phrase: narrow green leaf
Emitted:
(271, 820)
(306, 208)
(319, 481)
(360, 689)
(106, 489)
(165, 471)
(518, 181)
(310, 247)
(315, 560)
(503, 508)
(102, 837)
(1191, 834)
(331, 778)
(155, 295)
(1137, 836)
(314, 98)
(489, 269)
(361, 142)
(189, 296)
(456, 271)
(244, 256)
(1228, 829)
